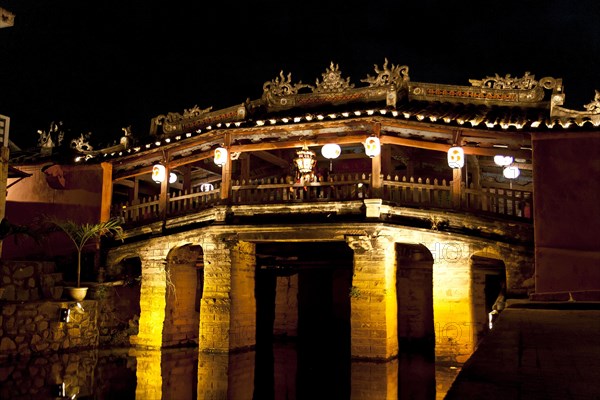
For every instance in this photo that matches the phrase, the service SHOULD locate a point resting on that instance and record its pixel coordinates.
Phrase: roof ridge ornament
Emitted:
(333, 81)
(396, 75)
(594, 106)
(282, 86)
(527, 82)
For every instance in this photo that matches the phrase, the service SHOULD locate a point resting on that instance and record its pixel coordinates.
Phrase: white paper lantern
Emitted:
(456, 157)
(172, 177)
(372, 146)
(331, 150)
(220, 156)
(158, 173)
(206, 187)
(511, 172)
(503, 161)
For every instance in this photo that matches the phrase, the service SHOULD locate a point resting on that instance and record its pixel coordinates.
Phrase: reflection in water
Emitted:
(285, 371)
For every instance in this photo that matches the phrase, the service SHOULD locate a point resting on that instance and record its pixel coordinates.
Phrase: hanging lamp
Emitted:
(456, 157)
(372, 146)
(331, 151)
(511, 172)
(158, 173)
(305, 160)
(220, 156)
(502, 161)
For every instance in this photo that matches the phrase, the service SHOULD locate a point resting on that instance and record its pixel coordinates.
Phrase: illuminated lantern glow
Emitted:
(305, 160)
(172, 177)
(220, 156)
(331, 150)
(372, 146)
(206, 187)
(503, 161)
(158, 173)
(456, 157)
(512, 172)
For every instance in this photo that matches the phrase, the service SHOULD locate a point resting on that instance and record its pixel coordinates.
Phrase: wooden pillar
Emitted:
(226, 171)
(163, 199)
(4, 157)
(106, 196)
(245, 173)
(373, 314)
(475, 180)
(187, 178)
(376, 181)
(386, 160)
(456, 184)
(135, 193)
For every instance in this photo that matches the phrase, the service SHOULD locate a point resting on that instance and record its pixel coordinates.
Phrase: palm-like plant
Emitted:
(81, 233)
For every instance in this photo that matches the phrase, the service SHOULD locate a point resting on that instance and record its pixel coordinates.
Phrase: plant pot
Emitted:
(76, 293)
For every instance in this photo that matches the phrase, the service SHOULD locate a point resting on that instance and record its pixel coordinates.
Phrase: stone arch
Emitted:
(414, 295)
(184, 278)
(488, 280)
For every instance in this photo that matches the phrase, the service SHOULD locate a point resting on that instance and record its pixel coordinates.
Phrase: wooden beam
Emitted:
(273, 159)
(478, 151)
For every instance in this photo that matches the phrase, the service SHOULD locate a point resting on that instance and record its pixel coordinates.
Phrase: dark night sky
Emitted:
(103, 66)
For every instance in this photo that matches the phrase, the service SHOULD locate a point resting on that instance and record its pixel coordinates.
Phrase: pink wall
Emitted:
(66, 191)
(566, 170)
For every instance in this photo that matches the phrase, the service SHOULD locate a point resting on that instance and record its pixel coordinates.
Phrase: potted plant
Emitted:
(80, 234)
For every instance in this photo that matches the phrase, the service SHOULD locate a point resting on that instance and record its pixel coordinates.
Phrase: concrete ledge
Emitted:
(554, 305)
(580, 295)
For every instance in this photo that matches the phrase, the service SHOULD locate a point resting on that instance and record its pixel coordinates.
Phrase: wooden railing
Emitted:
(423, 193)
(336, 188)
(510, 202)
(400, 191)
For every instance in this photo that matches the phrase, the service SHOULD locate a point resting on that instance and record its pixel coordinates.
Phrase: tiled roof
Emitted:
(493, 104)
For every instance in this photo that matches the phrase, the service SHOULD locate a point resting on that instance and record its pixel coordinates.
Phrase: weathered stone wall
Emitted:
(118, 313)
(29, 281)
(34, 327)
(373, 298)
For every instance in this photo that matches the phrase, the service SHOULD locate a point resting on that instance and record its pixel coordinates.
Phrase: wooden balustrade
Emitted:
(181, 201)
(408, 192)
(403, 191)
(510, 202)
(277, 190)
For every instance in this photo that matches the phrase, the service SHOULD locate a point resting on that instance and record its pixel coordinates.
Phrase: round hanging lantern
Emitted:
(172, 177)
(305, 160)
(206, 187)
(456, 157)
(511, 172)
(220, 156)
(503, 161)
(158, 173)
(372, 146)
(331, 150)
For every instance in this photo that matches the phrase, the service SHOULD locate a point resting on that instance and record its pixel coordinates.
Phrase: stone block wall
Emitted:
(29, 281)
(34, 327)
(118, 312)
